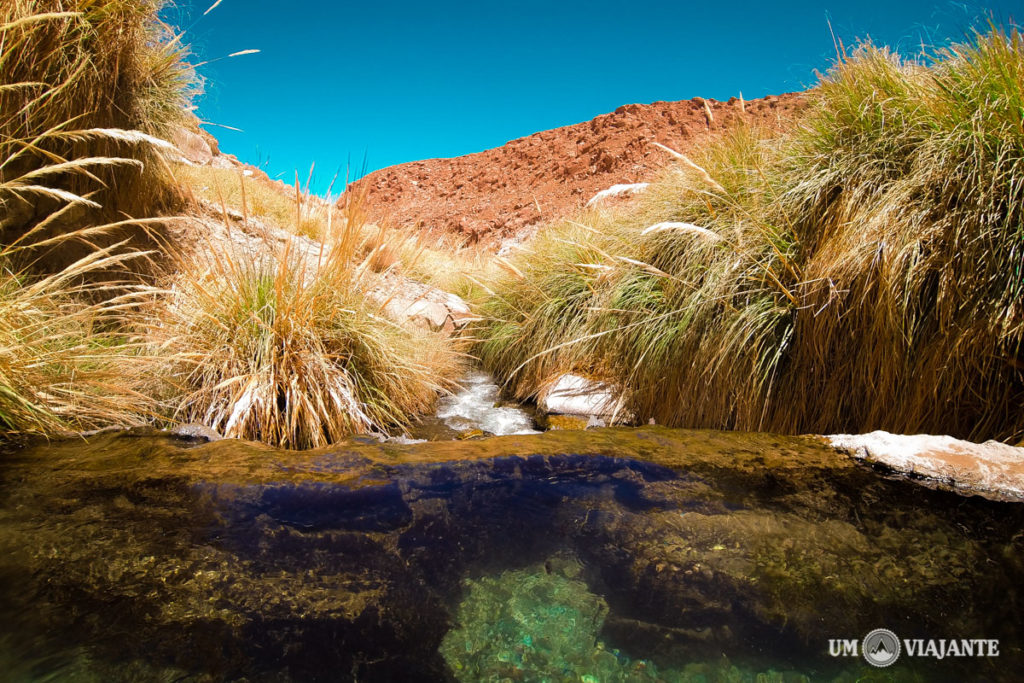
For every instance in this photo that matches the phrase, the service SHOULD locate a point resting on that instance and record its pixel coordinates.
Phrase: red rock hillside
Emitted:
(491, 195)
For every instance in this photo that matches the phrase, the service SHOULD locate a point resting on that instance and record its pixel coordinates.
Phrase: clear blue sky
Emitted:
(336, 82)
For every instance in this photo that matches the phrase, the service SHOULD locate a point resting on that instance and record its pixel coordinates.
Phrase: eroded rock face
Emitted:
(405, 299)
(499, 193)
(149, 557)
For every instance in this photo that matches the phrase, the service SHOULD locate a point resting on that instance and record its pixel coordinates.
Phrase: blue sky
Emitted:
(339, 82)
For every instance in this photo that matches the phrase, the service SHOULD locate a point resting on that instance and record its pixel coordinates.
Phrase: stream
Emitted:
(640, 554)
(476, 409)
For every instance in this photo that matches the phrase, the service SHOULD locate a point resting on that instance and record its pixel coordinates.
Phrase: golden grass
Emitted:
(64, 364)
(439, 262)
(259, 343)
(859, 272)
(286, 348)
(274, 203)
(86, 86)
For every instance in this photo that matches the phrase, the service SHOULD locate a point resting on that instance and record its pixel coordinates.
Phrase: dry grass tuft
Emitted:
(64, 364)
(87, 87)
(285, 348)
(88, 90)
(860, 272)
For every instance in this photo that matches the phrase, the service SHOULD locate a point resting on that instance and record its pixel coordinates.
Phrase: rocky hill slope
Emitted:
(492, 195)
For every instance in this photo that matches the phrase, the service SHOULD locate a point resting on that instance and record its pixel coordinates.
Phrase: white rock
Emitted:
(193, 147)
(419, 310)
(405, 299)
(992, 469)
(456, 304)
(575, 395)
(617, 191)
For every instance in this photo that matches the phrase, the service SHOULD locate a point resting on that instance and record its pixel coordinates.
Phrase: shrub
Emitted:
(860, 271)
(287, 348)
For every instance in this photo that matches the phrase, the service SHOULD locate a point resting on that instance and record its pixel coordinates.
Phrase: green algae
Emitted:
(527, 624)
(543, 624)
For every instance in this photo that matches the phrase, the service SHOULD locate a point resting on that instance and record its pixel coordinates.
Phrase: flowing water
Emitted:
(477, 408)
(611, 555)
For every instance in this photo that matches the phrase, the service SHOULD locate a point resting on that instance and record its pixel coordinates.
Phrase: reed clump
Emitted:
(265, 340)
(86, 86)
(860, 271)
(87, 89)
(285, 345)
(67, 365)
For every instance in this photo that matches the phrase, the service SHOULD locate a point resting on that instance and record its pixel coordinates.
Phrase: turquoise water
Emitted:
(610, 555)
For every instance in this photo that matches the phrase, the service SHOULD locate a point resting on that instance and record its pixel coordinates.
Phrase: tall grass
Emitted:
(256, 339)
(85, 87)
(437, 261)
(63, 363)
(286, 348)
(72, 74)
(861, 271)
(292, 209)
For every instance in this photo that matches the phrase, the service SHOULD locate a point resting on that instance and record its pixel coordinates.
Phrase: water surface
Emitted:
(611, 555)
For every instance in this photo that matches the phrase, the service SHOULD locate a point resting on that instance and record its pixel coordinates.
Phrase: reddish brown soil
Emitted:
(491, 195)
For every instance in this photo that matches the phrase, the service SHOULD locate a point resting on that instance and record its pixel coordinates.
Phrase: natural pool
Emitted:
(609, 555)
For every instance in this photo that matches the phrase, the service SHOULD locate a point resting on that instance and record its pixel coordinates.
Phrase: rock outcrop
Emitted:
(384, 562)
(496, 194)
(405, 299)
(575, 395)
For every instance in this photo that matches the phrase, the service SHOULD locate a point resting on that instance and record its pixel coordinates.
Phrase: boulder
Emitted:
(575, 395)
(406, 300)
(430, 314)
(991, 469)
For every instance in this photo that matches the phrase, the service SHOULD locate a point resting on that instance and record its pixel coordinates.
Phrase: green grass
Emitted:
(860, 271)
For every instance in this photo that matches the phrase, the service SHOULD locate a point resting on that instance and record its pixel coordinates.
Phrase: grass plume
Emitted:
(860, 271)
(286, 348)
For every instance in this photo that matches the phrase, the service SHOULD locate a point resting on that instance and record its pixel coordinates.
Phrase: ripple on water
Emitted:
(477, 406)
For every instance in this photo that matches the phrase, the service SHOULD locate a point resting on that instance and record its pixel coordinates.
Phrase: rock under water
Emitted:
(695, 555)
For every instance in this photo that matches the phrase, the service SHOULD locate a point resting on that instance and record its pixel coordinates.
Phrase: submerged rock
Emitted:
(544, 623)
(527, 624)
(572, 422)
(195, 431)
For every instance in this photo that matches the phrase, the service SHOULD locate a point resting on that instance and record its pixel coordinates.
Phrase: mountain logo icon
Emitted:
(881, 647)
